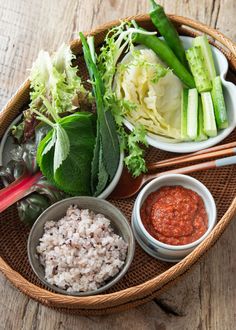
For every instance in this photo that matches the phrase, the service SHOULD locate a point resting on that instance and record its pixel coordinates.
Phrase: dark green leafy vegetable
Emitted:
(103, 176)
(72, 174)
(30, 208)
(25, 153)
(45, 194)
(12, 171)
(168, 31)
(41, 194)
(107, 151)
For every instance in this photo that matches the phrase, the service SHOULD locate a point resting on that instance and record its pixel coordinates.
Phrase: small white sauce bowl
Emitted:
(157, 249)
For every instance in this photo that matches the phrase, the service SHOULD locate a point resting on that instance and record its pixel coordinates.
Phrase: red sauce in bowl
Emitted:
(174, 215)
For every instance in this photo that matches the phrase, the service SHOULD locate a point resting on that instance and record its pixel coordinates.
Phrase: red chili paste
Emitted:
(174, 215)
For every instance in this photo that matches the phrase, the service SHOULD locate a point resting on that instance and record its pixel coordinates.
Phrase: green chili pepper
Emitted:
(166, 55)
(168, 31)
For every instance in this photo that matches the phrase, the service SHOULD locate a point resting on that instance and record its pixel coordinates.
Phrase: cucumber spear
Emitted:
(198, 69)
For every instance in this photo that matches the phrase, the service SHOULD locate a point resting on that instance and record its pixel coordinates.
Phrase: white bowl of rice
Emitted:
(81, 246)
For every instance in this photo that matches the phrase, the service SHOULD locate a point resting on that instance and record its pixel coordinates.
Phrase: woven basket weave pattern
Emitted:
(147, 277)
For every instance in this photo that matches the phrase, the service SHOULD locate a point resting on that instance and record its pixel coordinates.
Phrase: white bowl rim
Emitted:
(211, 218)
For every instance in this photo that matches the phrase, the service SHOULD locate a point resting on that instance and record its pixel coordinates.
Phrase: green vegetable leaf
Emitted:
(103, 176)
(51, 143)
(95, 162)
(135, 158)
(56, 79)
(43, 145)
(59, 137)
(160, 72)
(107, 135)
(74, 174)
(30, 208)
(62, 147)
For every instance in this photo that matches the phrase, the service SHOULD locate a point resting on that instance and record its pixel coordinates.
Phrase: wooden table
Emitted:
(206, 298)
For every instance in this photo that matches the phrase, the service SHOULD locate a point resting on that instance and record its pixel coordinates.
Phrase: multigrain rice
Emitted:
(81, 252)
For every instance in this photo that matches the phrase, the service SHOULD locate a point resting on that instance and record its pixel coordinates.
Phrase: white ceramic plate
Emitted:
(229, 89)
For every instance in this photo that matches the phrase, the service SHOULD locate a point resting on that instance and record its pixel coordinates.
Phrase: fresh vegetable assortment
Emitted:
(156, 84)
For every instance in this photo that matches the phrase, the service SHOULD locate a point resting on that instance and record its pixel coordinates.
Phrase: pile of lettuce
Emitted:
(55, 79)
(81, 153)
(65, 154)
(144, 80)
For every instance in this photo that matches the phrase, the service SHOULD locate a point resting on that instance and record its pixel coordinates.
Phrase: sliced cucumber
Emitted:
(208, 114)
(184, 104)
(198, 69)
(192, 114)
(219, 104)
(201, 136)
(203, 43)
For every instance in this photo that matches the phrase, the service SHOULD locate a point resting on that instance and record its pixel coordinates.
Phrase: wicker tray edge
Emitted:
(135, 295)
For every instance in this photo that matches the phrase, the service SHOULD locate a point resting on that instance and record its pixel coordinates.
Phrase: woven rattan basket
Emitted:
(147, 277)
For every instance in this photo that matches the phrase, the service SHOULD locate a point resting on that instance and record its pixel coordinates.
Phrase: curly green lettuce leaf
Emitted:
(133, 145)
(56, 79)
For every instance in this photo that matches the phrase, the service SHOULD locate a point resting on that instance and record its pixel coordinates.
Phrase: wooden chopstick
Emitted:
(218, 151)
(196, 167)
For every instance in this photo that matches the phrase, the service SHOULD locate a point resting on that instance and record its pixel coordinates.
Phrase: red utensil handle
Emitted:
(18, 189)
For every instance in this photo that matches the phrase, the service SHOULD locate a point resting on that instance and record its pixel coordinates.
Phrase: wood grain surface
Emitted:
(206, 297)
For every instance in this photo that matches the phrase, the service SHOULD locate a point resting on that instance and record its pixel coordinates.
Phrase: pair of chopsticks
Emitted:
(228, 149)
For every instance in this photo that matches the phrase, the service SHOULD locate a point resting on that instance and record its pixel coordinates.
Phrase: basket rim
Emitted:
(155, 284)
